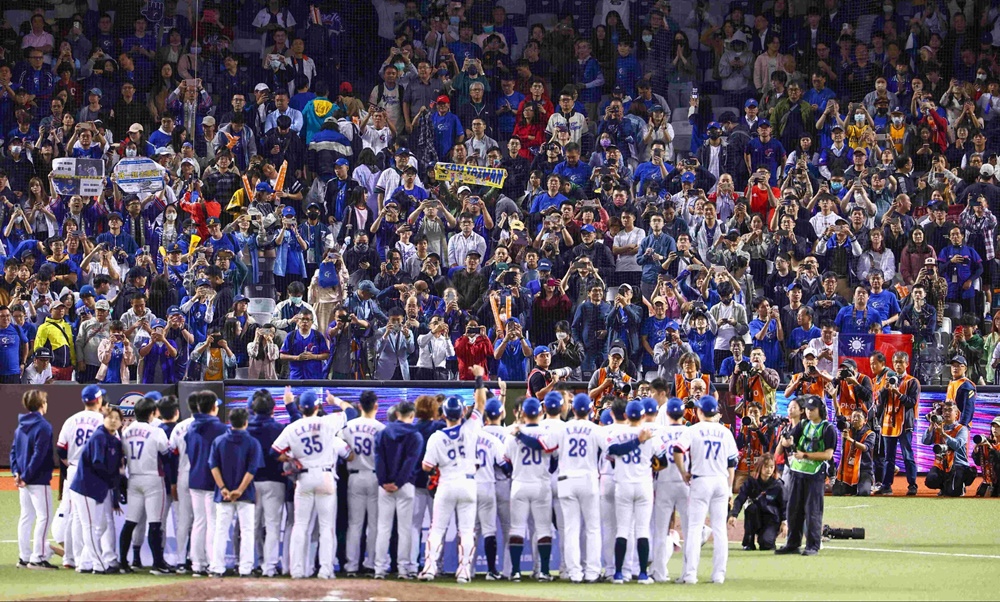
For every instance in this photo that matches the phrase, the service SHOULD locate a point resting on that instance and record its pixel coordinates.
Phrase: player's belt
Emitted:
(359, 471)
(470, 476)
(562, 478)
(327, 469)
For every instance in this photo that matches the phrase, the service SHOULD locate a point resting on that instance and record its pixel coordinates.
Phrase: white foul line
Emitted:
(849, 507)
(915, 552)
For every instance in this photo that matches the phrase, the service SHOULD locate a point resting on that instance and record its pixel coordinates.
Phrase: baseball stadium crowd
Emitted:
(652, 197)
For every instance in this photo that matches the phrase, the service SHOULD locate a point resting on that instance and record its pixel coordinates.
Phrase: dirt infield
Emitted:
(285, 589)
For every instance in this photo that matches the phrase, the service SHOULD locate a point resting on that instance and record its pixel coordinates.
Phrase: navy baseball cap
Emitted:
(493, 409)
(239, 298)
(308, 400)
(202, 282)
(158, 323)
(87, 291)
(635, 410)
(581, 402)
(715, 125)
(649, 404)
(175, 248)
(959, 359)
(545, 265)
(453, 407)
(531, 407)
(212, 221)
(675, 408)
(154, 395)
(708, 405)
(606, 417)
(174, 310)
(553, 401)
(115, 215)
(43, 353)
(91, 393)
(688, 177)
(540, 350)
(763, 123)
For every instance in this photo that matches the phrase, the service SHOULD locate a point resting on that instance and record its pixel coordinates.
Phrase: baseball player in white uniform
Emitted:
(552, 404)
(490, 454)
(577, 445)
(494, 415)
(73, 435)
(183, 508)
(453, 452)
(713, 457)
(362, 485)
(144, 446)
(670, 491)
(632, 447)
(530, 491)
(312, 443)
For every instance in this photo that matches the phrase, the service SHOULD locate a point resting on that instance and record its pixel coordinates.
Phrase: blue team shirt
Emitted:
(768, 154)
(447, 129)
(655, 331)
(771, 345)
(851, 321)
(885, 305)
(512, 364)
(295, 344)
(11, 340)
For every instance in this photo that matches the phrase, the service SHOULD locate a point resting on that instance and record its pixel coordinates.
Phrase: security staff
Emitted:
(961, 390)
(808, 447)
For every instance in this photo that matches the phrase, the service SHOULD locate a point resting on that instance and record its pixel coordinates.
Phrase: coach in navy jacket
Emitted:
(398, 450)
(205, 429)
(31, 454)
(99, 467)
(265, 429)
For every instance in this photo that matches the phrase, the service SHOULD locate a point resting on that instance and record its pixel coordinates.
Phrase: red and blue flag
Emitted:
(860, 347)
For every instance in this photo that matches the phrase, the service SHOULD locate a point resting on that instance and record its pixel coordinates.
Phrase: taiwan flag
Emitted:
(860, 347)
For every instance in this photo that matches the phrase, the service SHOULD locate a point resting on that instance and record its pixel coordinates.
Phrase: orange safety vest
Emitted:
(602, 375)
(894, 414)
(849, 471)
(945, 461)
(953, 387)
(847, 402)
(817, 388)
(989, 475)
(752, 449)
(682, 389)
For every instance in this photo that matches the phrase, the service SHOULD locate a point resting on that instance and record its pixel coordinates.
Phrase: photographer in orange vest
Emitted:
(951, 473)
(895, 404)
(854, 473)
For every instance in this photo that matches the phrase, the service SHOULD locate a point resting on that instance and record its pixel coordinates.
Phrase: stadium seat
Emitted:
(522, 39)
(259, 291)
(953, 311)
(247, 46)
(261, 305)
(516, 12)
(650, 375)
(261, 318)
(946, 325)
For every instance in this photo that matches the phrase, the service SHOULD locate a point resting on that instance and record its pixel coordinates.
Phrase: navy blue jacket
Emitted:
(98, 470)
(399, 448)
(235, 453)
(31, 453)
(203, 432)
(265, 429)
(426, 428)
(169, 461)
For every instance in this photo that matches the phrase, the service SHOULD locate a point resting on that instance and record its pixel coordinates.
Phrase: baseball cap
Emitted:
(809, 351)
(453, 407)
(708, 405)
(368, 286)
(136, 127)
(635, 410)
(462, 189)
(208, 120)
(675, 408)
(43, 353)
(762, 123)
(202, 282)
(540, 349)
(513, 321)
(606, 417)
(660, 299)
(341, 161)
(813, 402)
(174, 311)
(261, 87)
(288, 212)
(715, 125)
(545, 265)
(531, 407)
(443, 99)
(91, 393)
(239, 299)
(987, 171)
(493, 408)
(588, 228)
(616, 350)
(649, 405)
(688, 177)
(656, 109)
(153, 395)
(996, 420)
(103, 304)
(346, 88)
(87, 291)
(96, 91)
(175, 248)
(158, 323)
(553, 401)
(959, 359)
(581, 402)
(212, 221)
(751, 102)
(115, 215)
(307, 400)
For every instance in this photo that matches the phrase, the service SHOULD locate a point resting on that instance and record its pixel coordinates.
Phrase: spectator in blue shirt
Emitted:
(305, 349)
(572, 169)
(766, 332)
(799, 338)
(551, 198)
(13, 348)
(764, 151)
(627, 70)
(736, 347)
(882, 301)
(512, 352)
(448, 130)
(590, 328)
(857, 318)
(654, 171)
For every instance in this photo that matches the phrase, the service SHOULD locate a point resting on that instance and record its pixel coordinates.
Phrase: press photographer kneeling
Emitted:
(951, 473)
(986, 454)
(854, 475)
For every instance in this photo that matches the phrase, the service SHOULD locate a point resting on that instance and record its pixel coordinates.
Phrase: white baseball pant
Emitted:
(457, 498)
(93, 526)
(36, 513)
(559, 522)
(486, 508)
(503, 510)
(635, 509)
(244, 512)
(267, 518)
(362, 499)
(316, 491)
(668, 497)
(183, 520)
(398, 504)
(578, 499)
(422, 502)
(534, 499)
(202, 528)
(709, 495)
(609, 523)
(146, 497)
(62, 523)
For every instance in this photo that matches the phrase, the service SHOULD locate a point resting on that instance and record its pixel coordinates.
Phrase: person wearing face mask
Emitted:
(286, 314)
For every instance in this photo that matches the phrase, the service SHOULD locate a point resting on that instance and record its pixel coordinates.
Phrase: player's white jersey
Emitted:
(529, 465)
(663, 442)
(489, 453)
(360, 436)
(75, 432)
(604, 466)
(143, 445)
(453, 450)
(502, 433)
(636, 465)
(335, 420)
(178, 445)
(578, 446)
(711, 448)
(313, 442)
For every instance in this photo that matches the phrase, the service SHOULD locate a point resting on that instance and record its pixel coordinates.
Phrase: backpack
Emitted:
(380, 92)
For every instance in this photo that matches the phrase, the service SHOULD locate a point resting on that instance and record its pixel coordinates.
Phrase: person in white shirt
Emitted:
(377, 132)
(452, 451)
(625, 248)
(362, 485)
(435, 349)
(312, 444)
(39, 371)
(479, 143)
(712, 454)
(464, 242)
(827, 348)
(826, 218)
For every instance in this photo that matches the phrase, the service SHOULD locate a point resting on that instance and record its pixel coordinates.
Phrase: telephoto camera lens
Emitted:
(935, 419)
(746, 421)
(940, 449)
(838, 533)
(978, 439)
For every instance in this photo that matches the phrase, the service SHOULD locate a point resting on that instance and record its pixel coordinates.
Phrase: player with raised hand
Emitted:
(362, 484)
(452, 451)
(145, 447)
(632, 446)
(670, 492)
(713, 457)
(312, 444)
(490, 456)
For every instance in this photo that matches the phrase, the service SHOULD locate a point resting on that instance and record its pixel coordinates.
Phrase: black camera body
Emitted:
(848, 533)
(745, 366)
(940, 449)
(842, 424)
(845, 373)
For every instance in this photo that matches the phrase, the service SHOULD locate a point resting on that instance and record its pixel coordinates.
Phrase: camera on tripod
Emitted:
(839, 533)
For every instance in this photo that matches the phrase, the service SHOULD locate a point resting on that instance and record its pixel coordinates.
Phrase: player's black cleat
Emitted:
(42, 565)
(162, 570)
(786, 550)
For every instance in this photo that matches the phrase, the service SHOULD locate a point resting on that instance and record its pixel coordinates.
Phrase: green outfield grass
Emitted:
(920, 549)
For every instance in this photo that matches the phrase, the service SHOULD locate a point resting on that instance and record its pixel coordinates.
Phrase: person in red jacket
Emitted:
(200, 209)
(473, 349)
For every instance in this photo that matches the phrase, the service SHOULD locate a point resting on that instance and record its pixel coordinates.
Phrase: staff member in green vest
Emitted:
(807, 448)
